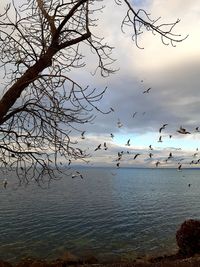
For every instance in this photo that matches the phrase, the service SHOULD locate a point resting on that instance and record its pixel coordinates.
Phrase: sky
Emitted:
(172, 73)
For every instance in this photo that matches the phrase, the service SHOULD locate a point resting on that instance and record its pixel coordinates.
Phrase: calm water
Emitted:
(124, 212)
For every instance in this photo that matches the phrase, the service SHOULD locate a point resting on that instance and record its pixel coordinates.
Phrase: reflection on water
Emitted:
(137, 211)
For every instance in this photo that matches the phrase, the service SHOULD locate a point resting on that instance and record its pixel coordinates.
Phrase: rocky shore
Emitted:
(175, 260)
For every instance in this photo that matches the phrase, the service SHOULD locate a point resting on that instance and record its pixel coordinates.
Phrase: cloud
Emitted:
(171, 72)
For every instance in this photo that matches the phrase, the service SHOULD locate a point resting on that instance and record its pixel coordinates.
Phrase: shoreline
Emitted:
(174, 260)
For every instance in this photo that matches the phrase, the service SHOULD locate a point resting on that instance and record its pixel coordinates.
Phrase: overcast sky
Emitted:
(173, 75)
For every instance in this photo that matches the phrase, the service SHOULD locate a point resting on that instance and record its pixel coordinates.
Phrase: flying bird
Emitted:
(170, 155)
(5, 182)
(98, 148)
(82, 135)
(157, 163)
(163, 127)
(119, 124)
(77, 174)
(105, 147)
(112, 135)
(150, 155)
(147, 91)
(128, 143)
(117, 164)
(150, 147)
(136, 155)
(134, 114)
(179, 167)
(160, 139)
(119, 156)
(182, 130)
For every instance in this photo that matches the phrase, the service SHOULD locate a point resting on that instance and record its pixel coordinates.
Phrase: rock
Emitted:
(5, 264)
(188, 238)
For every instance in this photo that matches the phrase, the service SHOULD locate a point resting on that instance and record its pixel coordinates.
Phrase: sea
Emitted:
(111, 213)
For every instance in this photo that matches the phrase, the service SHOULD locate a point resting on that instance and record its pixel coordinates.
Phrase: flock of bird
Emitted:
(171, 156)
(181, 130)
(120, 155)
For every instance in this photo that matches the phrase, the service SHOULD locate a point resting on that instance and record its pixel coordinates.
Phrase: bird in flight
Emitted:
(119, 124)
(179, 167)
(105, 147)
(170, 155)
(112, 135)
(136, 155)
(160, 139)
(150, 147)
(147, 91)
(82, 135)
(182, 130)
(163, 127)
(157, 163)
(5, 182)
(150, 155)
(77, 174)
(134, 114)
(98, 148)
(128, 143)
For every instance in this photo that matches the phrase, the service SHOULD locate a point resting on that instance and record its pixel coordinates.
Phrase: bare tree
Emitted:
(39, 45)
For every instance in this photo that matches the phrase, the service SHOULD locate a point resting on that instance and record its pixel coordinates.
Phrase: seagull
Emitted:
(147, 91)
(150, 147)
(76, 174)
(179, 167)
(150, 155)
(157, 163)
(136, 155)
(170, 155)
(117, 164)
(82, 135)
(183, 131)
(105, 147)
(112, 135)
(160, 139)
(134, 114)
(5, 182)
(119, 124)
(119, 156)
(128, 143)
(98, 148)
(163, 127)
